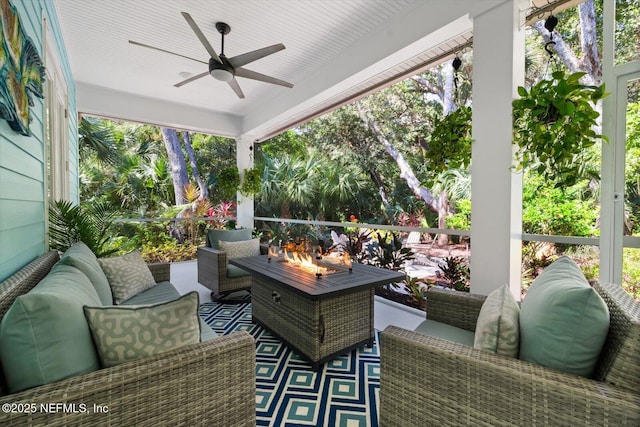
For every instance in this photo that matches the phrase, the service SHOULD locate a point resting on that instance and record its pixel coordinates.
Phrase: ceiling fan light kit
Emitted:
(222, 68)
(221, 71)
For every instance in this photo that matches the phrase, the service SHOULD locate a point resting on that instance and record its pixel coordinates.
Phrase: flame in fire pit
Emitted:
(305, 262)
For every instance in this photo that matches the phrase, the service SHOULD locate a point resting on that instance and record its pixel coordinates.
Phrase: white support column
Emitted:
(244, 160)
(613, 153)
(496, 192)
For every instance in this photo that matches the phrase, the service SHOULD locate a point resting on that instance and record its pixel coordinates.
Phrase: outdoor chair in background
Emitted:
(215, 272)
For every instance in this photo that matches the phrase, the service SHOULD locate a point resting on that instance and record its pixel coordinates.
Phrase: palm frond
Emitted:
(70, 223)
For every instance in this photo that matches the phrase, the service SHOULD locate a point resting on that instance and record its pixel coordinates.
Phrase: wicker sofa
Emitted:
(212, 382)
(432, 381)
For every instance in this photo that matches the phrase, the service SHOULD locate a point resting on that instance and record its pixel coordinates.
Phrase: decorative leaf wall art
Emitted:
(21, 71)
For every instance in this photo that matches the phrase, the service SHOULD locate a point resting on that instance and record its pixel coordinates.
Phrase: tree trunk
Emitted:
(443, 213)
(377, 179)
(449, 91)
(406, 172)
(590, 62)
(178, 165)
(204, 192)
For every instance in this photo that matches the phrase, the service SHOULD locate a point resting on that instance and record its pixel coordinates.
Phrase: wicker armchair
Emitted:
(210, 383)
(430, 381)
(212, 273)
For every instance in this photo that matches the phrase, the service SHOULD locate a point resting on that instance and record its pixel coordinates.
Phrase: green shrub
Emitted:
(461, 219)
(631, 272)
(170, 251)
(549, 210)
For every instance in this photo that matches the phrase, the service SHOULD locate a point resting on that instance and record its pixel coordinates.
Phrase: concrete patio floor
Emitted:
(184, 276)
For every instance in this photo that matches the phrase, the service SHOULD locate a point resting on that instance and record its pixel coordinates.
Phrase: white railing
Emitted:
(464, 233)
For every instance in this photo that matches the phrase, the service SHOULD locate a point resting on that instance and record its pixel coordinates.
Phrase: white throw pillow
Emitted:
(498, 326)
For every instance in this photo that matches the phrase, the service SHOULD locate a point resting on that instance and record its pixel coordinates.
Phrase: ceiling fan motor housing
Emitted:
(221, 70)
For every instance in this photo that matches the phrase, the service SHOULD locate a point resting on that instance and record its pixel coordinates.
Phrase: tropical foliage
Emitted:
(87, 223)
(401, 156)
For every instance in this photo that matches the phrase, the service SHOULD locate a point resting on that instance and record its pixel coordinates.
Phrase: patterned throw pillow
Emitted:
(240, 249)
(131, 332)
(498, 326)
(128, 275)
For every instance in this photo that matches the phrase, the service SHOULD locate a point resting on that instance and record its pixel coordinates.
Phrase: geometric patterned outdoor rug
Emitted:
(289, 393)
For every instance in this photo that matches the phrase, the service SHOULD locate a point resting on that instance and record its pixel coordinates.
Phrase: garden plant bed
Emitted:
(427, 256)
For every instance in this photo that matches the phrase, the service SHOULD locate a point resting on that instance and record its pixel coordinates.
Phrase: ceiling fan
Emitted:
(223, 68)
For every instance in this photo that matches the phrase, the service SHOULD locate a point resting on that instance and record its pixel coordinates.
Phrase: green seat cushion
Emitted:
(128, 275)
(161, 292)
(165, 292)
(80, 256)
(44, 336)
(563, 320)
(206, 333)
(498, 325)
(124, 333)
(446, 332)
(235, 271)
(237, 235)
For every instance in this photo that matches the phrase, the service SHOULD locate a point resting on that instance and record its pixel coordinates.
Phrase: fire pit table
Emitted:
(319, 316)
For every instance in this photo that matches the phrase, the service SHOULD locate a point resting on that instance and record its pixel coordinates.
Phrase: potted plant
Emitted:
(252, 182)
(553, 127)
(450, 142)
(229, 182)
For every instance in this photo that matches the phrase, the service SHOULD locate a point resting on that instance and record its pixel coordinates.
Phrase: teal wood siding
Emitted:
(23, 159)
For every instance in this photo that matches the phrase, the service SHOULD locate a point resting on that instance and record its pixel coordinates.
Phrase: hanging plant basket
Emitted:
(553, 127)
(252, 182)
(450, 143)
(229, 182)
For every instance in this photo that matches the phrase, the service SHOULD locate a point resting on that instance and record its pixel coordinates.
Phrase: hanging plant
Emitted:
(553, 128)
(252, 182)
(229, 182)
(450, 143)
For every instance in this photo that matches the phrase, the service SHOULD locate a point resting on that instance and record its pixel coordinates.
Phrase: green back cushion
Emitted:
(128, 275)
(124, 333)
(44, 336)
(236, 235)
(80, 256)
(563, 320)
(498, 326)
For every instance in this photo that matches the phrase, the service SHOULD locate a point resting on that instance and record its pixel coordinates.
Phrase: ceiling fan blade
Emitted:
(248, 74)
(236, 88)
(254, 55)
(192, 78)
(165, 51)
(200, 36)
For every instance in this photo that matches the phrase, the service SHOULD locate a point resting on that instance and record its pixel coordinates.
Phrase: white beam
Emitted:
(496, 192)
(419, 29)
(100, 101)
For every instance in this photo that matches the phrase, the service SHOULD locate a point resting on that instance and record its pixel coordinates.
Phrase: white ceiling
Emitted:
(335, 49)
